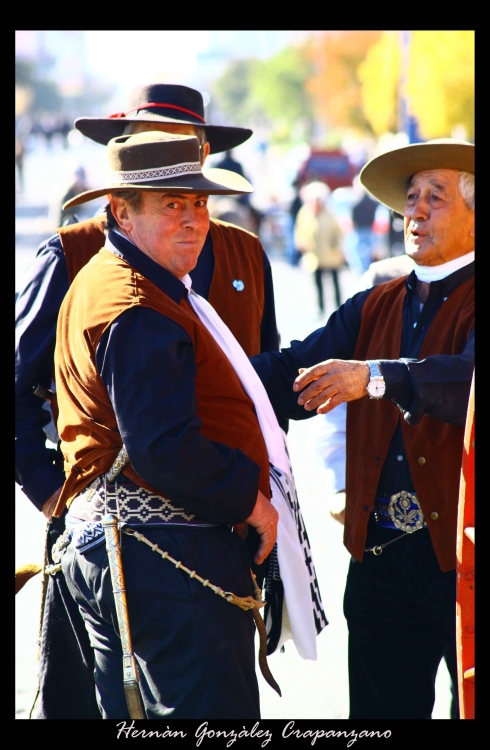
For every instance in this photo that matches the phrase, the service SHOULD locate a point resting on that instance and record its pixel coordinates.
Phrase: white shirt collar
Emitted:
(437, 273)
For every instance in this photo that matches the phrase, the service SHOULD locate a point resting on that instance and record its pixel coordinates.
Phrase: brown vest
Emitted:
(238, 256)
(434, 448)
(87, 425)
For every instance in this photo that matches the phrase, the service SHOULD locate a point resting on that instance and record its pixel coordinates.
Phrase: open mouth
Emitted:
(416, 235)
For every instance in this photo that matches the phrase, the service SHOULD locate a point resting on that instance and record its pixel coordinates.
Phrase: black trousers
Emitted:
(319, 273)
(195, 651)
(66, 666)
(401, 616)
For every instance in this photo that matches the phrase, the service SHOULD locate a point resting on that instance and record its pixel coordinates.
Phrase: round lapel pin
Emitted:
(239, 285)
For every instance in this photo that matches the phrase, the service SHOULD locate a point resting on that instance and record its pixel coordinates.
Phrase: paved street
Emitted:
(310, 689)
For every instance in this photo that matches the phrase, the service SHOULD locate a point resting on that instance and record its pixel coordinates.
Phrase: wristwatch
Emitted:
(376, 386)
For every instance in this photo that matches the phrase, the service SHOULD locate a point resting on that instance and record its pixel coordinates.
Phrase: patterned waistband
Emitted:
(401, 511)
(132, 504)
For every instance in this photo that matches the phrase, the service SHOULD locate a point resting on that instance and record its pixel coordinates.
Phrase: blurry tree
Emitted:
(280, 91)
(269, 93)
(379, 75)
(35, 96)
(335, 85)
(233, 91)
(440, 81)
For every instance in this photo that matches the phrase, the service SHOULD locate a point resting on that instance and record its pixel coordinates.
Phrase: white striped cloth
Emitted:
(303, 617)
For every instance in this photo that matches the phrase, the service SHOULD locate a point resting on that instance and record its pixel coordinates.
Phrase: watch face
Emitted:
(376, 388)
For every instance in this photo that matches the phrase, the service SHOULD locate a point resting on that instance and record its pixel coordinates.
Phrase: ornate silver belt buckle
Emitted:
(405, 511)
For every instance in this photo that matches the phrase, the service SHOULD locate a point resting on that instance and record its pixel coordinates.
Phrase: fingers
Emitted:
(267, 541)
(317, 394)
(268, 535)
(330, 383)
(309, 374)
(264, 518)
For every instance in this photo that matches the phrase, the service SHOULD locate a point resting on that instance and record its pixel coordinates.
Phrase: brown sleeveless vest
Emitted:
(238, 256)
(87, 425)
(434, 448)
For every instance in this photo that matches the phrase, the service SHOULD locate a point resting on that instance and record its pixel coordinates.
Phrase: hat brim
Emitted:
(102, 129)
(386, 176)
(214, 182)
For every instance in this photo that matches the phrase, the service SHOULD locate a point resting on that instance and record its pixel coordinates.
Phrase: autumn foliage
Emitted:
(335, 85)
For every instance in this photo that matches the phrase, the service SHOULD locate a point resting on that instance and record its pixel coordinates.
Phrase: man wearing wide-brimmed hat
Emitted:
(154, 390)
(401, 355)
(232, 272)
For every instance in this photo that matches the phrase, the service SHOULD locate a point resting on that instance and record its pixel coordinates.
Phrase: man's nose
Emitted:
(418, 210)
(189, 217)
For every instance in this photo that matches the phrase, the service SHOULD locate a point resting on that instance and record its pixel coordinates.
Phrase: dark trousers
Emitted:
(194, 650)
(401, 615)
(66, 667)
(319, 273)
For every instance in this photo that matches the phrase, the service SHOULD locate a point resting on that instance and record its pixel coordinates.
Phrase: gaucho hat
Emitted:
(163, 102)
(387, 176)
(164, 162)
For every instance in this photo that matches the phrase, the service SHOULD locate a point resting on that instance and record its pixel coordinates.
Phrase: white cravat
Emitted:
(297, 610)
(437, 273)
(251, 382)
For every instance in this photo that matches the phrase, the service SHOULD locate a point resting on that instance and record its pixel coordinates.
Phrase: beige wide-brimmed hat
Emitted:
(164, 162)
(386, 176)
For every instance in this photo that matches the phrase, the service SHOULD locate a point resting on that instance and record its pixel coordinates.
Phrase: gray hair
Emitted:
(467, 188)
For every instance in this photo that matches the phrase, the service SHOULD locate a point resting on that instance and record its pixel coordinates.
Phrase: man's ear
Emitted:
(205, 149)
(119, 209)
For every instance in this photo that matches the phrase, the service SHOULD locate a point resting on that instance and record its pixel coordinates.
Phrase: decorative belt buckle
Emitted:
(405, 511)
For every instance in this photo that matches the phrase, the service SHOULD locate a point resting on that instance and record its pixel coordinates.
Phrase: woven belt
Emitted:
(132, 504)
(400, 511)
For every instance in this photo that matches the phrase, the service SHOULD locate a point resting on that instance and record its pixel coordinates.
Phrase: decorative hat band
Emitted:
(162, 173)
(157, 104)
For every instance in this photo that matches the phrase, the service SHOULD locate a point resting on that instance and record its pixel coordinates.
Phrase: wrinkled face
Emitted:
(439, 226)
(171, 229)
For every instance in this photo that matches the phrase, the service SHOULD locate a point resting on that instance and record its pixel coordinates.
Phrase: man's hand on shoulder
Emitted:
(331, 383)
(50, 504)
(264, 518)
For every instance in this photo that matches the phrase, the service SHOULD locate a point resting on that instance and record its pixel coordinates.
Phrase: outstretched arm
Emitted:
(331, 383)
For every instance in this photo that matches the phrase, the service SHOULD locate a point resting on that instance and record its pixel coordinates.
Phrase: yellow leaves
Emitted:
(439, 86)
(379, 75)
(335, 85)
(441, 81)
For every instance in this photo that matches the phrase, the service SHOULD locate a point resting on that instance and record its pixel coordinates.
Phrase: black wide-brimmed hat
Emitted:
(163, 102)
(387, 175)
(164, 162)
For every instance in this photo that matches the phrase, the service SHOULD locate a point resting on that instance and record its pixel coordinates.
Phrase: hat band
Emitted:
(157, 104)
(163, 173)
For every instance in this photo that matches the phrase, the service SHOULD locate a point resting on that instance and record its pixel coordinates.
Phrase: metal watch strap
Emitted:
(374, 368)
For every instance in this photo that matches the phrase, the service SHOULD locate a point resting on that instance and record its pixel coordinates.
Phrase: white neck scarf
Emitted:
(298, 620)
(437, 273)
(251, 382)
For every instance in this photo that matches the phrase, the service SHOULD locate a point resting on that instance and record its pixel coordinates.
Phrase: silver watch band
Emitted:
(374, 368)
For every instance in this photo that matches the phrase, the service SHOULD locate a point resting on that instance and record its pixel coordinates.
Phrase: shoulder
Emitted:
(51, 247)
